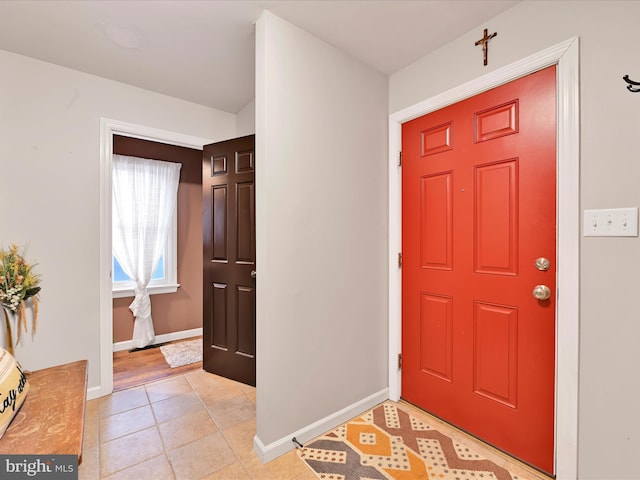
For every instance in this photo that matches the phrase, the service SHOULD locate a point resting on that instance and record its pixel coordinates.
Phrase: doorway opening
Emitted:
(478, 203)
(109, 129)
(176, 309)
(566, 56)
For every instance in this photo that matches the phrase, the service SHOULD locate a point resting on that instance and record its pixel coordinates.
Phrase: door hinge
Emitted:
(399, 361)
(399, 159)
(399, 259)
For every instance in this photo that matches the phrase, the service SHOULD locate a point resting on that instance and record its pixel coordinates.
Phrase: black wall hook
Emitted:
(632, 85)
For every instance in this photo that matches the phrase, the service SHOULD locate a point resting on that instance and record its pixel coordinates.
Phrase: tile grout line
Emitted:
(226, 440)
(156, 424)
(109, 408)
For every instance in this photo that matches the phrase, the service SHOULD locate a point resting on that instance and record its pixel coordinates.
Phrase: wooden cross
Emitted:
(484, 41)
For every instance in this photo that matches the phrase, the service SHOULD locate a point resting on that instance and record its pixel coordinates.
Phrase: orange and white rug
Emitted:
(387, 443)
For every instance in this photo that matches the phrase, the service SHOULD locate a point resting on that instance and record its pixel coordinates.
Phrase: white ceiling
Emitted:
(203, 51)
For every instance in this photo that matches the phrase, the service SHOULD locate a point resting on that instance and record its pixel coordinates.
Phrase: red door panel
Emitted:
(479, 208)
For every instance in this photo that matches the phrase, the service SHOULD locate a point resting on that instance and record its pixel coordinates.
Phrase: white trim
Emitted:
(93, 392)
(109, 128)
(266, 453)
(568, 273)
(566, 56)
(129, 291)
(165, 337)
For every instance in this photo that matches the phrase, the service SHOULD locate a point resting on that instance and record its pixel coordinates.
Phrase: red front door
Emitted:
(478, 210)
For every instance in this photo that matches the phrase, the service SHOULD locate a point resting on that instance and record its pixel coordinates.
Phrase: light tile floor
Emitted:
(189, 427)
(201, 426)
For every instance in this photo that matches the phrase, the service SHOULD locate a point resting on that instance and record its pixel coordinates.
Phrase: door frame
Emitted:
(566, 56)
(109, 128)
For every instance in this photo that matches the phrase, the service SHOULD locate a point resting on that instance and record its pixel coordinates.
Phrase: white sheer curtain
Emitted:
(144, 200)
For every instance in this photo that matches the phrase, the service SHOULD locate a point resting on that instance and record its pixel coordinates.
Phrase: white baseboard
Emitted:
(166, 337)
(266, 453)
(94, 392)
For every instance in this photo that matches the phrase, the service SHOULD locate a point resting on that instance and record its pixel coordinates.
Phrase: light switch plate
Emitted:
(611, 222)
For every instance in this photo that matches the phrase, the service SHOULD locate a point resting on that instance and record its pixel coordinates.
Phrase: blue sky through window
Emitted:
(120, 276)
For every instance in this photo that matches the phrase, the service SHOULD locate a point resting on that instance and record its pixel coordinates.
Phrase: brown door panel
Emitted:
(229, 252)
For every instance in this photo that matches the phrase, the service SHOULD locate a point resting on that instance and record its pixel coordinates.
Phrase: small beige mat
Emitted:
(182, 353)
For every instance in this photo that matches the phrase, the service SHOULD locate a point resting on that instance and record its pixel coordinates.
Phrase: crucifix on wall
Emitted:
(484, 41)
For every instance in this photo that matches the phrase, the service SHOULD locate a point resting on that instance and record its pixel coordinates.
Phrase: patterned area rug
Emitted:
(182, 353)
(387, 443)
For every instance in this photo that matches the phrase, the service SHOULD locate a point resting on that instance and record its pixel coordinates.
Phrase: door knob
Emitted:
(253, 274)
(543, 264)
(541, 292)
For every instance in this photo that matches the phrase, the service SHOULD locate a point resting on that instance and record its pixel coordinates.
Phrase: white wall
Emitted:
(246, 120)
(321, 148)
(609, 421)
(49, 188)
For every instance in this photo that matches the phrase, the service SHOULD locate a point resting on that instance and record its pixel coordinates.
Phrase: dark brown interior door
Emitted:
(228, 183)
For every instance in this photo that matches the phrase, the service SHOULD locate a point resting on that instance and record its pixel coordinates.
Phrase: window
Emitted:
(164, 277)
(120, 276)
